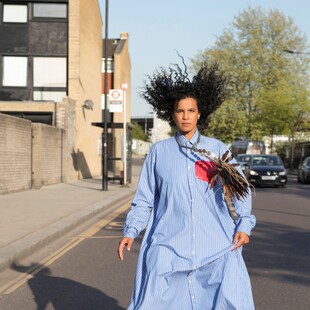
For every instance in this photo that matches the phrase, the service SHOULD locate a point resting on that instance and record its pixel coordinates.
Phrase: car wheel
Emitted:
(298, 178)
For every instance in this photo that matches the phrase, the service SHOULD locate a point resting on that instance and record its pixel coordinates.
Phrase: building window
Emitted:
(49, 72)
(49, 10)
(15, 13)
(56, 96)
(14, 71)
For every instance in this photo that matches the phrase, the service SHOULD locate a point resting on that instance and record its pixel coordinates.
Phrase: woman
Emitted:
(190, 257)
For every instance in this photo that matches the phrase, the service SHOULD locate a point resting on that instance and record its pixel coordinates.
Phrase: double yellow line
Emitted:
(87, 234)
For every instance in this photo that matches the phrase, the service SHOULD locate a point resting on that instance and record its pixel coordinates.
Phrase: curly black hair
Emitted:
(165, 89)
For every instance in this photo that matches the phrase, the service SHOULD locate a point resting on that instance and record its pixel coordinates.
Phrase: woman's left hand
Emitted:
(240, 239)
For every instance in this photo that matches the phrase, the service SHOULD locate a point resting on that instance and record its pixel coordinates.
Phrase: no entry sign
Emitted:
(116, 100)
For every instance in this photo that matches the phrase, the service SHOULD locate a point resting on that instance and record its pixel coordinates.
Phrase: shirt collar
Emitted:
(191, 141)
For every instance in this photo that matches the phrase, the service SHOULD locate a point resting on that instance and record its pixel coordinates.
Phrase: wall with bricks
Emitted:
(47, 164)
(33, 154)
(84, 74)
(15, 154)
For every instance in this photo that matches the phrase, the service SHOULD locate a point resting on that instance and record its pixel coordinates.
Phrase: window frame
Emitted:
(47, 86)
(3, 71)
(10, 5)
(48, 18)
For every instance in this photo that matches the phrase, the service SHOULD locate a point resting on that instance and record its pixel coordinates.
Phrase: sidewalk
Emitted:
(31, 219)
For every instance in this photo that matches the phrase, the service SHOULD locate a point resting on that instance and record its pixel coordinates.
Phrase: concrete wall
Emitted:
(15, 154)
(140, 147)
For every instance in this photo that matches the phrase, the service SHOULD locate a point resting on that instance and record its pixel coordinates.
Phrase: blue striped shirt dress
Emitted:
(186, 260)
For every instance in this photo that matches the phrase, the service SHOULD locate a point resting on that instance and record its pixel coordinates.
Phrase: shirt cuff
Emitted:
(245, 226)
(130, 232)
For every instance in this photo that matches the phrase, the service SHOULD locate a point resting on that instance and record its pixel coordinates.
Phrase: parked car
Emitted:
(266, 170)
(303, 171)
(243, 160)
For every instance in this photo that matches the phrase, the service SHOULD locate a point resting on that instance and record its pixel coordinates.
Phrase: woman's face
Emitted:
(185, 116)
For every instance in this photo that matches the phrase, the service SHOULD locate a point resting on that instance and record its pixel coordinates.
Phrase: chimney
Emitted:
(124, 35)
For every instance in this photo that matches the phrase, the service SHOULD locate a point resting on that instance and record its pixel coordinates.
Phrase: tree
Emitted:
(252, 52)
(138, 132)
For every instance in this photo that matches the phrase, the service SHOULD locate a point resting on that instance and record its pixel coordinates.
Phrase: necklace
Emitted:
(188, 147)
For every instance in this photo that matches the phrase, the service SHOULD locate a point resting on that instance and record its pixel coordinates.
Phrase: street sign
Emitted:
(116, 100)
(124, 86)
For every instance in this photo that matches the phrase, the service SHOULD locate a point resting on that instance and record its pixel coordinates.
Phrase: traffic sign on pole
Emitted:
(116, 100)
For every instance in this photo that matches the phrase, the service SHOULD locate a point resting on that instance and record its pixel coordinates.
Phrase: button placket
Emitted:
(191, 290)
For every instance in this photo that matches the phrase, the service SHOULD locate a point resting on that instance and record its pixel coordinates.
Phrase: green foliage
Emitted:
(138, 132)
(281, 149)
(173, 132)
(268, 87)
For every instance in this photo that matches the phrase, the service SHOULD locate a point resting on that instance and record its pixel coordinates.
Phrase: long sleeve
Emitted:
(246, 220)
(143, 202)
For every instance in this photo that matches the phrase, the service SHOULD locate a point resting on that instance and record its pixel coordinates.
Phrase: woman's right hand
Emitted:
(125, 242)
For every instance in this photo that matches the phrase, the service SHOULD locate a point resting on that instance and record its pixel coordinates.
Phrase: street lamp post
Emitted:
(105, 112)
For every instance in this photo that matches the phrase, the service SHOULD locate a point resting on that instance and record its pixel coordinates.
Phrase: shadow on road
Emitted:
(279, 252)
(64, 294)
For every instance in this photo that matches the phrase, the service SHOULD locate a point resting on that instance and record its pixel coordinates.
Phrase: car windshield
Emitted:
(242, 157)
(267, 161)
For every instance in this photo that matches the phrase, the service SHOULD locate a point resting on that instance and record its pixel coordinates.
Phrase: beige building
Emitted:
(57, 50)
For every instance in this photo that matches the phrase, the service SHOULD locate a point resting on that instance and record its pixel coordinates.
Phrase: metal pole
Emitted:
(125, 138)
(105, 114)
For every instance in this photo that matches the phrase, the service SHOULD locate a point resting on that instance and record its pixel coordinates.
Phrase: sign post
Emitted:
(124, 88)
(116, 100)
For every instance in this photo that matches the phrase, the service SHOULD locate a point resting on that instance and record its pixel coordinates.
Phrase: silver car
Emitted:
(303, 171)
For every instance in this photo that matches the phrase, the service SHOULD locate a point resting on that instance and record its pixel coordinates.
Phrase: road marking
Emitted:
(87, 234)
(99, 237)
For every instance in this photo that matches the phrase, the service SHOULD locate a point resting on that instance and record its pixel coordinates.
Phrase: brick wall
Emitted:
(32, 155)
(15, 154)
(47, 165)
(84, 75)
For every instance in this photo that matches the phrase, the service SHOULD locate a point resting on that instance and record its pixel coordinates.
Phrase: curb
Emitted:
(33, 242)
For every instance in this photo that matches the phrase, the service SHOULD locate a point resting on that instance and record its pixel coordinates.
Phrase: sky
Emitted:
(159, 28)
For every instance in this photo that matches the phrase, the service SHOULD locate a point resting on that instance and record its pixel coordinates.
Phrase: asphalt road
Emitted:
(278, 255)
(88, 275)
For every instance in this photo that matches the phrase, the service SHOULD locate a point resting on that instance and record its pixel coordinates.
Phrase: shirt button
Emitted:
(193, 217)
(194, 252)
(189, 281)
(194, 235)
(193, 297)
(189, 167)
